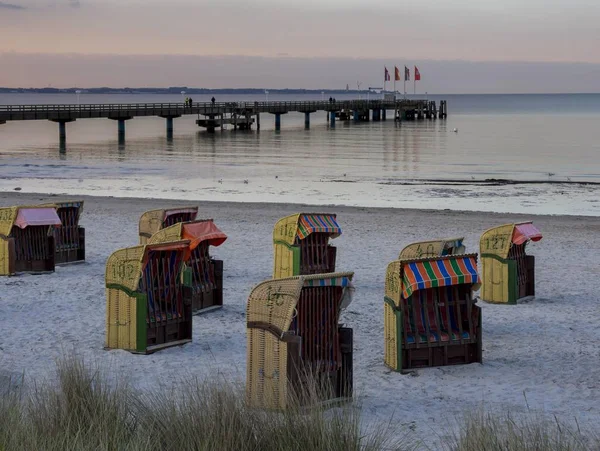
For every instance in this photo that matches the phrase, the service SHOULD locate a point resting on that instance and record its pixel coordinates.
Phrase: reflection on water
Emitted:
(352, 163)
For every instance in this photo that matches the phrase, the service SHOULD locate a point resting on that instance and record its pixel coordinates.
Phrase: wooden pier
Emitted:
(242, 115)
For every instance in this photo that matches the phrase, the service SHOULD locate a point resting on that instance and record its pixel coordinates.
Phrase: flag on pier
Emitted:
(387, 75)
(406, 73)
(416, 78)
(397, 74)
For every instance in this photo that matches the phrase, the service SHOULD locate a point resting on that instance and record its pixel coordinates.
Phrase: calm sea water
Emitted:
(547, 146)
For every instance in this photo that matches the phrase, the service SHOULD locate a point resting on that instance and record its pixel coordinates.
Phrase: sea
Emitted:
(530, 154)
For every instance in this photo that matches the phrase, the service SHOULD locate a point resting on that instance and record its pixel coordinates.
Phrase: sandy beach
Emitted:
(542, 355)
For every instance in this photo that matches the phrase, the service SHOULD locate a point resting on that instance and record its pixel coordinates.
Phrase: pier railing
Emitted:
(200, 107)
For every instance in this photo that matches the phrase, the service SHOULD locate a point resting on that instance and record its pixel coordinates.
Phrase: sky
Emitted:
(459, 45)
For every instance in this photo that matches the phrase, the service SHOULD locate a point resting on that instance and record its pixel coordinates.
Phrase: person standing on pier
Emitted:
(213, 100)
(191, 103)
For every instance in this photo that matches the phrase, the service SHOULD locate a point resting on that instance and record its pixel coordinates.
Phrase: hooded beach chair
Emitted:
(301, 244)
(434, 248)
(154, 220)
(293, 332)
(149, 297)
(25, 242)
(207, 273)
(69, 238)
(430, 315)
(508, 273)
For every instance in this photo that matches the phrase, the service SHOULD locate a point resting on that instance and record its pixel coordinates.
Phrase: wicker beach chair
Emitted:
(301, 244)
(148, 293)
(25, 244)
(434, 248)
(154, 220)
(430, 316)
(207, 273)
(508, 273)
(69, 238)
(293, 332)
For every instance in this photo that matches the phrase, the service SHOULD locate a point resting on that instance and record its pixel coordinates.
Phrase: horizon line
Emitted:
(127, 90)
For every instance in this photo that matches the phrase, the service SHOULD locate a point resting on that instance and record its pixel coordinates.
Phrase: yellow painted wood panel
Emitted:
(284, 261)
(4, 258)
(390, 337)
(494, 287)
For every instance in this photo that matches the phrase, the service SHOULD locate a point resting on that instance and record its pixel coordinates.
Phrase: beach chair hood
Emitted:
(195, 231)
(299, 226)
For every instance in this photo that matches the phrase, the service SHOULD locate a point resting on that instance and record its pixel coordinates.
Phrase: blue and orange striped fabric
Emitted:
(308, 224)
(433, 273)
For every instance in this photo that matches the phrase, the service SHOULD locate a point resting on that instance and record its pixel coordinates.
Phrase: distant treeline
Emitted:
(171, 90)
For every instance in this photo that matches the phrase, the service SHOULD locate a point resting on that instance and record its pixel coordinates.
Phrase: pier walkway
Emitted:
(241, 115)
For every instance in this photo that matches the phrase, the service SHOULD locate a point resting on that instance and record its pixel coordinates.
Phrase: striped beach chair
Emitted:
(430, 315)
(301, 244)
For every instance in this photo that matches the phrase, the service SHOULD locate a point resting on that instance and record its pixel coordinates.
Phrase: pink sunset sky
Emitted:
(509, 46)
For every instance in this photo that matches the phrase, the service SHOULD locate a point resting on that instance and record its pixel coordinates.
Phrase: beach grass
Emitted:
(87, 409)
(480, 430)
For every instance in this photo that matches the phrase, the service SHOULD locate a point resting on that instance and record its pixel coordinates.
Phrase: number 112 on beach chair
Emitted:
(148, 298)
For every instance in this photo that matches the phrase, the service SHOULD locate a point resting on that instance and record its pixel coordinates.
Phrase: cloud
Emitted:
(10, 6)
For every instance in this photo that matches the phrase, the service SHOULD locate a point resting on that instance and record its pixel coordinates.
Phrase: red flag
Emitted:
(406, 73)
(387, 74)
(397, 74)
(417, 74)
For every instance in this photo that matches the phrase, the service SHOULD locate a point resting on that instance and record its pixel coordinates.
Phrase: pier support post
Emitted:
(307, 120)
(376, 114)
(277, 121)
(121, 129)
(62, 131)
(383, 114)
(121, 126)
(257, 121)
(356, 116)
(332, 118)
(169, 123)
(169, 128)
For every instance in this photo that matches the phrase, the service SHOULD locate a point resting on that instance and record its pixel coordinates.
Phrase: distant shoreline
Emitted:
(256, 91)
(176, 91)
